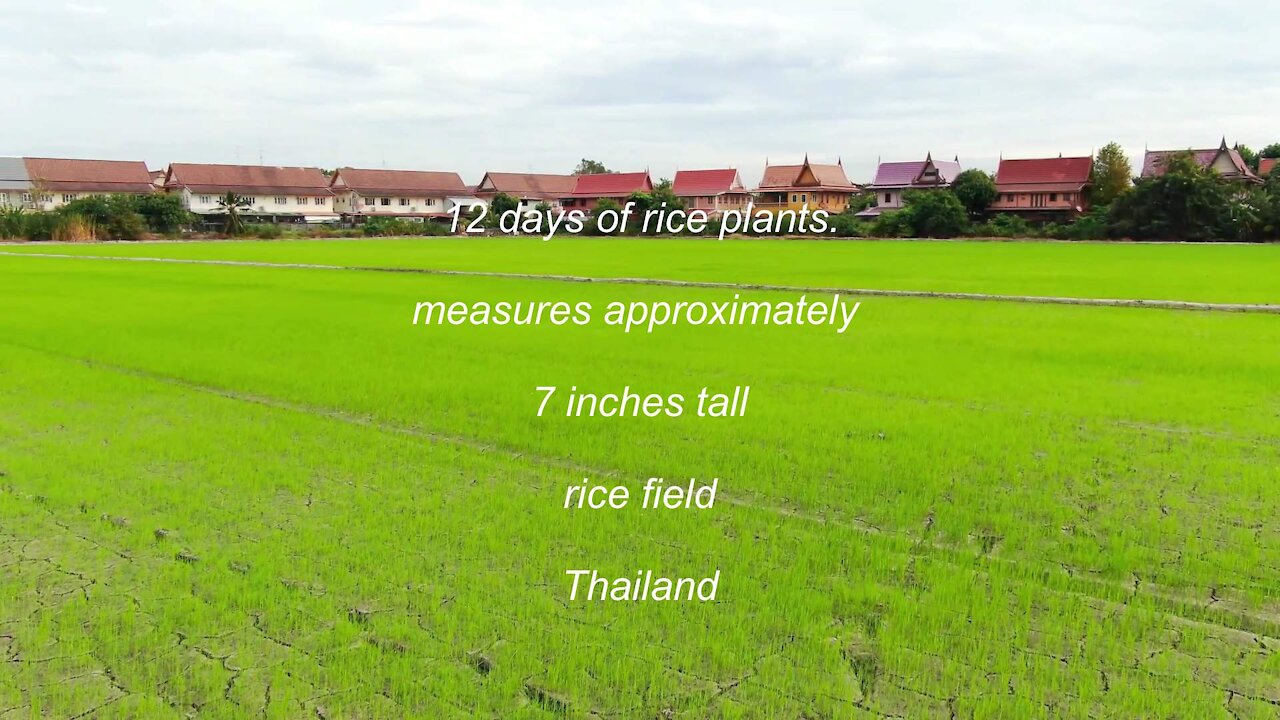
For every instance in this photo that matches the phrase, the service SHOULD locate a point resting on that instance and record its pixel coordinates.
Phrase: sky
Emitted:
(658, 85)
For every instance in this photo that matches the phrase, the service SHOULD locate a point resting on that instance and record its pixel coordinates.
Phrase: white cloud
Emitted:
(662, 84)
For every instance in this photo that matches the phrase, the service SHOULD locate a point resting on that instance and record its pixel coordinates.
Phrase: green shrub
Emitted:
(40, 225)
(847, 225)
(266, 231)
(892, 224)
(13, 223)
(399, 227)
(1005, 225)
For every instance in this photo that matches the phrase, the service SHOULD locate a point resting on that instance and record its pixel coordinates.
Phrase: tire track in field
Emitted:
(1115, 593)
(1273, 309)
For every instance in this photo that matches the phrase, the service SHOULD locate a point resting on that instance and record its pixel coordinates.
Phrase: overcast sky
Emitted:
(664, 85)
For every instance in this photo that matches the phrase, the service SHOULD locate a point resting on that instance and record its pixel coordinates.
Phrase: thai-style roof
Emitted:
(1069, 174)
(1154, 161)
(916, 173)
(806, 176)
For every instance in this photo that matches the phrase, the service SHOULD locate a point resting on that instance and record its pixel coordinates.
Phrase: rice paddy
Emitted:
(251, 491)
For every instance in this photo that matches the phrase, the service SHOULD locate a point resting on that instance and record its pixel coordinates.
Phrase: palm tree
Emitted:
(232, 205)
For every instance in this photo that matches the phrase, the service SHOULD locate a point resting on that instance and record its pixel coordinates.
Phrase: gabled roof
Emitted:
(13, 174)
(809, 176)
(611, 184)
(247, 179)
(707, 182)
(1265, 166)
(1154, 161)
(911, 174)
(96, 176)
(1044, 174)
(533, 186)
(404, 183)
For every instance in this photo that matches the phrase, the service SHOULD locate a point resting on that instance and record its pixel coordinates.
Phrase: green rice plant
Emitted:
(960, 508)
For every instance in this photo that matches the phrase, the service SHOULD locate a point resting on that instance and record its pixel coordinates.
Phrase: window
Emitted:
(1053, 197)
(300, 201)
(432, 201)
(282, 201)
(4, 198)
(68, 197)
(386, 201)
(887, 199)
(26, 197)
(404, 202)
(322, 201)
(206, 199)
(250, 200)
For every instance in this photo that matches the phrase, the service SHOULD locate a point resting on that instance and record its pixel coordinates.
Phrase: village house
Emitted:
(1226, 161)
(273, 194)
(408, 194)
(15, 186)
(1043, 188)
(50, 183)
(894, 178)
(589, 190)
(1265, 166)
(712, 191)
(529, 189)
(794, 187)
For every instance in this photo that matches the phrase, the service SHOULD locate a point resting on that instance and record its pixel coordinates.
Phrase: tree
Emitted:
(590, 167)
(975, 190)
(543, 208)
(1112, 175)
(1249, 156)
(1186, 202)
(115, 217)
(604, 205)
(934, 213)
(232, 205)
(162, 211)
(1270, 151)
(500, 204)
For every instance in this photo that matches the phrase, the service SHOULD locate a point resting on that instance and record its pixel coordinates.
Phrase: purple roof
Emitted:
(905, 174)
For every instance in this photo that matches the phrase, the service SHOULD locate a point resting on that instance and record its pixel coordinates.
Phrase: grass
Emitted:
(957, 508)
(1191, 272)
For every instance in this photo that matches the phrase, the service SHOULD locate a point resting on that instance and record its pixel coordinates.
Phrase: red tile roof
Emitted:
(1052, 174)
(404, 183)
(1265, 165)
(782, 177)
(611, 185)
(706, 182)
(533, 186)
(247, 179)
(96, 176)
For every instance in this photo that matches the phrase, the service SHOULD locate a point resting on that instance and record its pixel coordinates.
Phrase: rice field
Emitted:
(251, 491)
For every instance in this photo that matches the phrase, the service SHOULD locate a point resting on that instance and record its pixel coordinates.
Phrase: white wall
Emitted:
(207, 204)
(395, 204)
